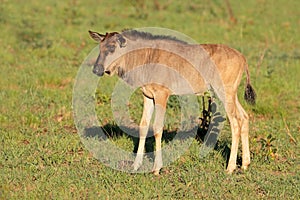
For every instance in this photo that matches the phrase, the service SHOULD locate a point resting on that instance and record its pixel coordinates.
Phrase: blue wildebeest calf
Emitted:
(201, 65)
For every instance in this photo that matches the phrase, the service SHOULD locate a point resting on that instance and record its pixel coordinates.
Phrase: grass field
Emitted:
(42, 46)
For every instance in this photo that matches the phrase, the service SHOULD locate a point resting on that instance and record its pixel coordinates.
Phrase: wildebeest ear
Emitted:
(121, 40)
(96, 36)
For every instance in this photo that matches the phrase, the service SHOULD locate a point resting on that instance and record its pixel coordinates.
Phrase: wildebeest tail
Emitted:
(250, 94)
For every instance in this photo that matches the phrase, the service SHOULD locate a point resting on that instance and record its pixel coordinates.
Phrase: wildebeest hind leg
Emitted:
(232, 112)
(244, 123)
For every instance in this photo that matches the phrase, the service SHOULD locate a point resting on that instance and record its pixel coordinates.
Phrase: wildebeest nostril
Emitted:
(98, 70)
(95, 71)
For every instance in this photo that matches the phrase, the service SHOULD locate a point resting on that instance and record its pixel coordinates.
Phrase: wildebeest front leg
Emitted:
(160, 110)
(143, 130)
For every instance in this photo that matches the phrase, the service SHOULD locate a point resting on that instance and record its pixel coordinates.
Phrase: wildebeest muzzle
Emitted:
(98, 68)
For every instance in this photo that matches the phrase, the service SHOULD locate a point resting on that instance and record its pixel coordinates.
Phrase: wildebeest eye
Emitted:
(111, 48)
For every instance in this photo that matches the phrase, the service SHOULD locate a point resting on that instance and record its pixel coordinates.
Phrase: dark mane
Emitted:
(149, 36)
(108, 35)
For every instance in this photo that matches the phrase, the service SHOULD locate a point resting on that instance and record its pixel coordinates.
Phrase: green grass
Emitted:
(42, 46)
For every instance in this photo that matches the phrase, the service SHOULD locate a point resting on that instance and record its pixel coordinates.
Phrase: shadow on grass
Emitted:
(113, 131)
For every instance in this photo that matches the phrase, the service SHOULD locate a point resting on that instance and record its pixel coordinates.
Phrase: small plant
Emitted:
(267, 147)
(205, 118)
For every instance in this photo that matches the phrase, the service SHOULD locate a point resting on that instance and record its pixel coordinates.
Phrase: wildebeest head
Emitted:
(108, 44)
